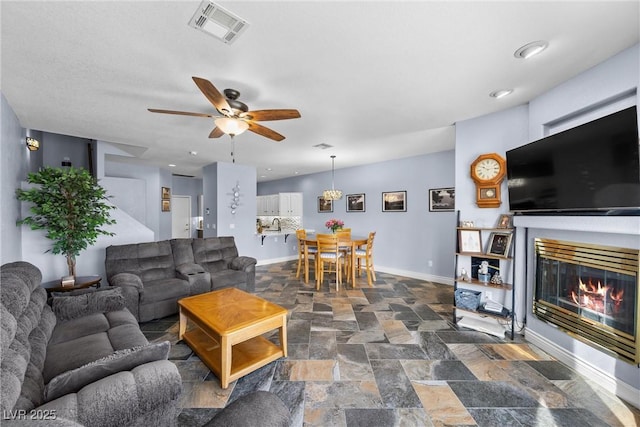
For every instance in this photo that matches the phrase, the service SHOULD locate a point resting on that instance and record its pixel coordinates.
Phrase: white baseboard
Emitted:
(277, 260)
(604, 379)
(416, 275)
(390, 270)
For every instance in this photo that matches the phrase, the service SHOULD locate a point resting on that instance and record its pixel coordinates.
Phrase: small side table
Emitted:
(80, 283)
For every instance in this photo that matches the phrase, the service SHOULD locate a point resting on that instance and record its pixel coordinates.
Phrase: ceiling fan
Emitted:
(235, 115)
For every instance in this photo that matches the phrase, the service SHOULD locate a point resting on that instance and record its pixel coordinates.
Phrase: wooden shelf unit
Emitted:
(475, 283)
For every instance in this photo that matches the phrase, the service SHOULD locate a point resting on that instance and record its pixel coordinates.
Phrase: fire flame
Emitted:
(595, 296)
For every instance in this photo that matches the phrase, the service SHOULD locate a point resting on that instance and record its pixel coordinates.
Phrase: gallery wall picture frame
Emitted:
(469, 241)
(442, 199)
(166, 193)
(394, 201)
(356, 202)
(324, 205)
(499, 244)
(166, 206)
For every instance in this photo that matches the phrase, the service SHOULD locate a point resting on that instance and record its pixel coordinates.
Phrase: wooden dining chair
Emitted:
(306, 252)
(328, 253)
(366, 253)
(345, 235)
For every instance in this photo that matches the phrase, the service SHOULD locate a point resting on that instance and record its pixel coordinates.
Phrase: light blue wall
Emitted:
(218, 181)
(56, 147)
(405, 241)
(14, 166)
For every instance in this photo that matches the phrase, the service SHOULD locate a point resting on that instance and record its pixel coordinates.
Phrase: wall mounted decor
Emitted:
(235, 198)
(166, 193)
(325, 205)
(442, 199)
(166, 205)
(356, 202)
(394, 201)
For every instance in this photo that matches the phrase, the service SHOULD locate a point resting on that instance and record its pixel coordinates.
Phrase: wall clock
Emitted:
(488, 172)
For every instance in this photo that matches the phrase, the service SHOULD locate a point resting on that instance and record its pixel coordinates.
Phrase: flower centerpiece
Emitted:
(334, 225)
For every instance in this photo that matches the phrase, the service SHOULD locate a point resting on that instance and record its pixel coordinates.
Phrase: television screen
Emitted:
(592, 167)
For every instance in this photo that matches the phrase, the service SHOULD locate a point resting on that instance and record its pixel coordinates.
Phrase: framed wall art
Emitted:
(394, 201)
(356, 202)
(166, 205)
(442, 199)
(166, 193)
(325, 205)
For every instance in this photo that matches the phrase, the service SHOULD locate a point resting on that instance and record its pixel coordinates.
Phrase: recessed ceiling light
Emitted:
(193, 153)
(171, 165)
(500, 93)
(269, 169)
(530, 49)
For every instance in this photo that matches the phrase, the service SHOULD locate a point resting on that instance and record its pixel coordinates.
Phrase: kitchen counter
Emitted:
(268, 232)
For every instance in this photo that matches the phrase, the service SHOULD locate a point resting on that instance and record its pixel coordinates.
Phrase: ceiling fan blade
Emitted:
(265, 115)
(182, 113)
(216, 133)
(264, 131)
(213, 95)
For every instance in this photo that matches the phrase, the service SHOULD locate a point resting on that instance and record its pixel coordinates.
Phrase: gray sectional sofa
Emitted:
(153, 276)
(82, 360)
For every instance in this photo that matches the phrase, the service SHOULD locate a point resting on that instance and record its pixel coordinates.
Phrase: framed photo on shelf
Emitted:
(166, 205)
(394, 201)
(355, 202)
(505, 221)
(441, 199)
(499, 244)
(469, 241)
(166, 193)
(325, 205)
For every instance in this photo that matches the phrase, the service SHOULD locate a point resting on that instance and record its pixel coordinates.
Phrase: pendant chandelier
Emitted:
(332, 194)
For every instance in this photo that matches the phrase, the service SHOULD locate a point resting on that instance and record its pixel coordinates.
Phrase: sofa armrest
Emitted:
(243, 263)
(145, 395)
(199, 279)
(131, 287)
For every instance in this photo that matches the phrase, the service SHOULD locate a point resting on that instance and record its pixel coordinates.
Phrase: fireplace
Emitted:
(590, 292)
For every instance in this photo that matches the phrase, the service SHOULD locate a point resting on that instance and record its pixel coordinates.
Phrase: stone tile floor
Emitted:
(388, 355)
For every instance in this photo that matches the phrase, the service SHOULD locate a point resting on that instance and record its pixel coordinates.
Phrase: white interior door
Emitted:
(180, 217)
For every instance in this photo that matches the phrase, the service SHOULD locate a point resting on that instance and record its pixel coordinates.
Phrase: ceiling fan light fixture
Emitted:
(332, 194)
(530, 49)
(231, 126)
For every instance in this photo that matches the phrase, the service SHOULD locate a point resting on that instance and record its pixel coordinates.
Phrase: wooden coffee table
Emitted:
(228, 325)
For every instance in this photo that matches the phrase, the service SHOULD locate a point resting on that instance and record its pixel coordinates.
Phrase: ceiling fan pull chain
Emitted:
(233, 149)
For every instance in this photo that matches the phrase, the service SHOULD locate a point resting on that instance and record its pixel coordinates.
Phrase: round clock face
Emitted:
(487, 169)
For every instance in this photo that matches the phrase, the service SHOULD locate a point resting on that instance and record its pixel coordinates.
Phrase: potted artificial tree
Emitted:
(71, 206)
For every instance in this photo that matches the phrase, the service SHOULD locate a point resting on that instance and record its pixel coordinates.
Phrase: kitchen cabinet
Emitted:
(290, 204)
(267, 205)
(282, 204)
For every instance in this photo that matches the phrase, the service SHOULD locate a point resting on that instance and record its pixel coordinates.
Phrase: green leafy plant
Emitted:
(71, 206)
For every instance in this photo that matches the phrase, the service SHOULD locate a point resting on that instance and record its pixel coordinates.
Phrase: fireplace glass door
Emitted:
(591, 292)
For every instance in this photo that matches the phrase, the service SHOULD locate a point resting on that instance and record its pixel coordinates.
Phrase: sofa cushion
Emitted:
(164, 289)
(228, 278)
(71, 307)
(121, 360)
(79, 341)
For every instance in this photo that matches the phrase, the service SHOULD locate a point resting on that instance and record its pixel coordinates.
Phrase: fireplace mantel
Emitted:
(590, 224)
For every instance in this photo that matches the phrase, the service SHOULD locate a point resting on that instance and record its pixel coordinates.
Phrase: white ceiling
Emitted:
(377, 80)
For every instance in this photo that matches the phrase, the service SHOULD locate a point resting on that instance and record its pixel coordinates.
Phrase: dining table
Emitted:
(344, 242)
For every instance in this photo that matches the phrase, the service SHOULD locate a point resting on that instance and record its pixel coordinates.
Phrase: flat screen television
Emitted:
(593, 168)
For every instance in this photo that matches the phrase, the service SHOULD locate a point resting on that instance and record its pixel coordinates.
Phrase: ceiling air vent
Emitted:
(218, 22)
(322, 146)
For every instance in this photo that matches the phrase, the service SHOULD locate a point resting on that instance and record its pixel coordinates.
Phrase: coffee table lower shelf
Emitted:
(246, 356)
